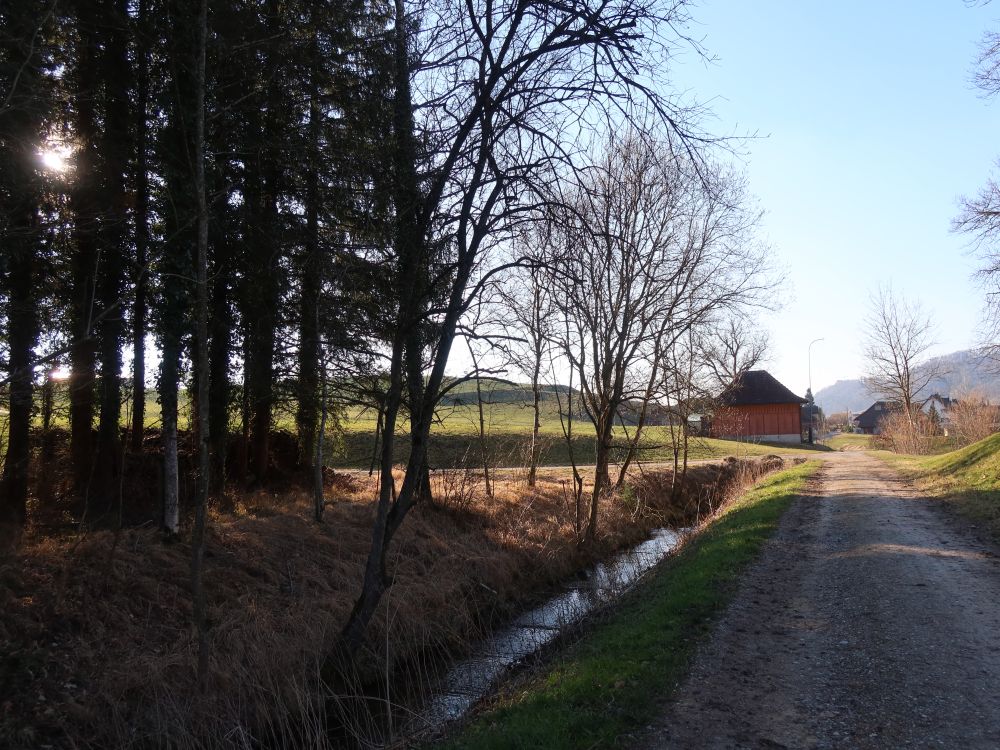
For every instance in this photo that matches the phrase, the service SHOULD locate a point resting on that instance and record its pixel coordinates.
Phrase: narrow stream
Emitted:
(472, 679)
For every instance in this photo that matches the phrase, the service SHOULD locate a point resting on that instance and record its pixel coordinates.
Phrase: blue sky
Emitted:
(870, 131)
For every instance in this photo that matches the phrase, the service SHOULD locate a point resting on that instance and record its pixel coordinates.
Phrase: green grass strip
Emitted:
(969, 478)
(610, 682)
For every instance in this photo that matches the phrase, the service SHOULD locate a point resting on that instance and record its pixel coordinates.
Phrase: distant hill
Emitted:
(502, 393)
(843, 395)
(966, 371)
(497, 391)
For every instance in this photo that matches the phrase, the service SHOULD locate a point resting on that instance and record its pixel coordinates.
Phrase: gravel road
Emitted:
(871, 620)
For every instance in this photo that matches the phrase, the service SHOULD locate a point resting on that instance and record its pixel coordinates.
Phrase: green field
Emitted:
(508, 419)
(455, 439)
(609, 683)
(848, 440)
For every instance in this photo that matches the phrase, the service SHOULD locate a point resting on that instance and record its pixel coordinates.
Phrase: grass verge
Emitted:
(609, 682)
(968, 477)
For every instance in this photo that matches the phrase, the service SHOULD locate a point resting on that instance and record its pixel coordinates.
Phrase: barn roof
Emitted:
(870, 417)
(758, 387)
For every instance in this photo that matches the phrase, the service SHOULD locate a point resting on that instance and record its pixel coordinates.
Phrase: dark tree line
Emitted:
(271, 196)
(99, 251)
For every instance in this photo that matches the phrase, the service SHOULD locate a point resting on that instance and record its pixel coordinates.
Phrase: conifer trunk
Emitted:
(21, 306)
(113, 228)
(20, 121)
(201, 336)
(83, 354)
(141, 284)
(310, 284)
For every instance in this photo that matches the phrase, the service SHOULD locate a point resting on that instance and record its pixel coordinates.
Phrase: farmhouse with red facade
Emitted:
(757, 407)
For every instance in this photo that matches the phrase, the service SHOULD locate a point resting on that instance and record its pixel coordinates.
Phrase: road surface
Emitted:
(871, 620)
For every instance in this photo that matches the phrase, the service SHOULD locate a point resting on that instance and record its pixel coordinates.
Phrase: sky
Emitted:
(868, 133)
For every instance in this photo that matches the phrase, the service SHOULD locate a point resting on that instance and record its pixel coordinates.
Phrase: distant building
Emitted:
(871, 420)
(698, 425)
(757, 407)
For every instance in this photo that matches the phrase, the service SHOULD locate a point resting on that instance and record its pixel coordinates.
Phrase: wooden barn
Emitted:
(757, 407)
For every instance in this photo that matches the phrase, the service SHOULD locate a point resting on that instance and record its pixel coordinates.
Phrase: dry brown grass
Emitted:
(96, 643)
(902, 434)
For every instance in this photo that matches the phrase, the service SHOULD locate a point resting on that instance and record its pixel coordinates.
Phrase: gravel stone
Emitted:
(870, 620)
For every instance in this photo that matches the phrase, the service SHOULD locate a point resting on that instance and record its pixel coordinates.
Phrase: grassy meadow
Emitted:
(455, 436)
(507, 425)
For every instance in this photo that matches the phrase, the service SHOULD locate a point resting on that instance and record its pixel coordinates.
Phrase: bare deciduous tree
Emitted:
(897, 341)
(979, 215)
(650, 248)
(681, 384)
(731, 348)
(489, 98)
(527, 298)
(972, 417)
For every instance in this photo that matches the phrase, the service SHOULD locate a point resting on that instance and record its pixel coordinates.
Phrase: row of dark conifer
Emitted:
(98, 215)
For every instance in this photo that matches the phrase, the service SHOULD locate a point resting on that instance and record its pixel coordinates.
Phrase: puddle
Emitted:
(472, 679)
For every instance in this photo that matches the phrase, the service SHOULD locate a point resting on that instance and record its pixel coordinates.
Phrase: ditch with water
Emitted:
(430, 706)
(474, 678)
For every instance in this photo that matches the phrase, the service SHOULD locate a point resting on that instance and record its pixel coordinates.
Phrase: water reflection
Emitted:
(471, 680)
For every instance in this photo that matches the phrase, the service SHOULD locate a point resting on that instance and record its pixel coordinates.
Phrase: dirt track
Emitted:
(871, 620)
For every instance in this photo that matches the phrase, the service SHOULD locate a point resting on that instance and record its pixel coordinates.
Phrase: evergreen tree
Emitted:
(84, 203)
(24, 118)
(143, 30)
(113, 237)
(179, 211)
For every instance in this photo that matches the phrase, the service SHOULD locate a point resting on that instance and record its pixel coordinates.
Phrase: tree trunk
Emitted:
(374, 580)
(264, 281)
(140, 282)
(319, 503)
(169, 381)
(602, 477)
(23, 319)
(201, 335)
(260, 316)
(20, 123)
(242, 468)
(415, 388)
(310, 283)
(536, 426)
(260, 387)
(483, 447)
(83, 354)
(113, 231)
(405, 347)
(220, 347)
(177, 150)
(48, 409)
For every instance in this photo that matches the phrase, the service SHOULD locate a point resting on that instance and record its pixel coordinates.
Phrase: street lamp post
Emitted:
(812, 404)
